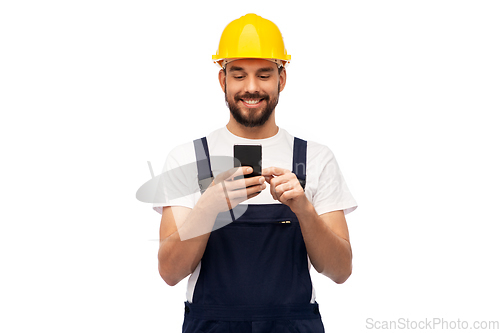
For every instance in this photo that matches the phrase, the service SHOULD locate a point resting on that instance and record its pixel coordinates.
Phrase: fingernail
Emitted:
(262, 180)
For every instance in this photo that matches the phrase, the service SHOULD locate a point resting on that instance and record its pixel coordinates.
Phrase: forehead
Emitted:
(251, 65)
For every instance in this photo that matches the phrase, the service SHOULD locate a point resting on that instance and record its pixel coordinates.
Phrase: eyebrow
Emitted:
(260, 70)
(265, 69)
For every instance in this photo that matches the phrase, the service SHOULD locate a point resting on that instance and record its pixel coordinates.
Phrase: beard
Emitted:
(255, 118)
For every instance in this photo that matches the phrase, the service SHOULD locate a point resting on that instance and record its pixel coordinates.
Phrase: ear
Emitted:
(282, 79)
(222, 80)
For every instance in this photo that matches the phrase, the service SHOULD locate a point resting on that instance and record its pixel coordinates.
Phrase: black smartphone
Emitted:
(249, 155)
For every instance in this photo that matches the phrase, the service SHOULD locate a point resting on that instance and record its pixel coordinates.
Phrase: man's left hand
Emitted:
(285, 188)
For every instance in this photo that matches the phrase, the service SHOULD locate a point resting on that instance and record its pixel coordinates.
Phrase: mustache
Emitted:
(251, 96)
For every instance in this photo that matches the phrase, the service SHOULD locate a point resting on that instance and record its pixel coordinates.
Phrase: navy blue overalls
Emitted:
(254, 274)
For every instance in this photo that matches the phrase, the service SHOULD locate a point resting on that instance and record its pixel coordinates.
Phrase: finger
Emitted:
(274, 171)
(262, 187)
(225, 175)
(244, 171)
(267, 171)
(291, 194)
(276, 181)
(255, 189)
(245, 182)
(247, 170)
(253, 195)
(241, 195)
(282, 188)
(283, 191)
(268, 179)
(273, 191)
(255, 180)
(232, 173)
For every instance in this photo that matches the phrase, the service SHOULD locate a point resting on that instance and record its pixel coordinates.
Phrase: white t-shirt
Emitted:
(325, 185)
(326, 188)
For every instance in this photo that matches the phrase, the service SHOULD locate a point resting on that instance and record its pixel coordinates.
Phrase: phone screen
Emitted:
(249, 155)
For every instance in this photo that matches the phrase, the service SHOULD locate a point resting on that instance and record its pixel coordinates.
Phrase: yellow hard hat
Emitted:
(251, 36)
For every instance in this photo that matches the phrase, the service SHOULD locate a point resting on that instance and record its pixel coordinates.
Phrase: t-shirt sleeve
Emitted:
(178, 182)
(332, 193)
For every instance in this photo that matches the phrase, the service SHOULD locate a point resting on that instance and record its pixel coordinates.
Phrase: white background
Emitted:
(404, 93)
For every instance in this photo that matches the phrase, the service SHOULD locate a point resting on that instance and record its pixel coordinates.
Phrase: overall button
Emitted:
(186, 309)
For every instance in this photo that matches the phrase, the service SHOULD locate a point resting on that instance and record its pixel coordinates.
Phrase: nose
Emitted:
(251, 85)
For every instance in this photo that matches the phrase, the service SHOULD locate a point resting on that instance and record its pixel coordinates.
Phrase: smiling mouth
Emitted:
(252, 102)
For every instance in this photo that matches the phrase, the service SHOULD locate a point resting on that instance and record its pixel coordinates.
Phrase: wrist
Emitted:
(206, 205)
(304, 208)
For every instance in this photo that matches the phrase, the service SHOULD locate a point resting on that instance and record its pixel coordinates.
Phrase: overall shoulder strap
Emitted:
(205, 175)
(300, 160)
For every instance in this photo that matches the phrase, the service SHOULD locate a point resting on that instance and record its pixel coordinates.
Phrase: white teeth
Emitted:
(252, 101)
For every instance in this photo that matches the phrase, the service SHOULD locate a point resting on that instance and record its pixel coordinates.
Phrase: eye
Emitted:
(264, 77)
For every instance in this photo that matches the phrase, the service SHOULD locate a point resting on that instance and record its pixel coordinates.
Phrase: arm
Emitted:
(327, 242)
(326, 236)
(177, 259)
(184, 232)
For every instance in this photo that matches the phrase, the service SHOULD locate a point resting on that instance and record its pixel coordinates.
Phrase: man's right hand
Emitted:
(229, 189)
(176, 258)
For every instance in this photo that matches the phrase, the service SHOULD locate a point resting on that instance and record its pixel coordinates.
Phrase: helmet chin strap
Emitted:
(227, 61)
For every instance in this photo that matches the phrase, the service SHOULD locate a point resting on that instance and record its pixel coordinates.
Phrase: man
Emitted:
(252, 275)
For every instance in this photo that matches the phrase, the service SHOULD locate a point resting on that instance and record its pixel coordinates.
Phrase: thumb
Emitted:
(268, 178)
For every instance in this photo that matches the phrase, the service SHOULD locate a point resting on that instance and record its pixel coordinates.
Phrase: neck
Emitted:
(265, 131)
